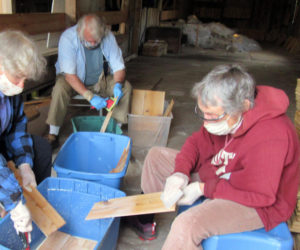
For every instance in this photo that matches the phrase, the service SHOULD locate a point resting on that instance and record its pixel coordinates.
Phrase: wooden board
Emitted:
(106, 121)
(34, 23)
(58, 6)
(169, 15)
(169, 108)
(63, 241)
(147, 102)
(43, 214)
(121, 163)
(130, 205)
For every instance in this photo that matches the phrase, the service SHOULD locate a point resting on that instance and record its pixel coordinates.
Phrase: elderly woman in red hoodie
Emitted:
(244, 159)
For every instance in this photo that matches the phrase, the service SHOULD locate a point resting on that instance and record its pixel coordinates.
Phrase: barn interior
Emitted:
(168, 46)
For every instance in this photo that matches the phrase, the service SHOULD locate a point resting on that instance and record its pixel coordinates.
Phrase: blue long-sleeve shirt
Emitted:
(15, 144)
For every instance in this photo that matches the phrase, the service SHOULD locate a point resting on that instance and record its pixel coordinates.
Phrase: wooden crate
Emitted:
(172, 35)
(155, 48)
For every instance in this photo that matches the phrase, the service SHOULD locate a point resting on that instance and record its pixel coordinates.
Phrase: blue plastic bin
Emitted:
(73, 200)
(91, 155)
(279, 238)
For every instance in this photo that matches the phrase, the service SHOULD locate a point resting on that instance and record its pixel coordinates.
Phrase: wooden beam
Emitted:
(124, 7)
(71, 11)
(136, 10)
(33, 23)
(113, 17)
(7, 6)
(169, 14)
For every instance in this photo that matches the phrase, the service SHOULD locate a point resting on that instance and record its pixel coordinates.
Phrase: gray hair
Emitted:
(228, 86)
(19, 56)
(94, 24)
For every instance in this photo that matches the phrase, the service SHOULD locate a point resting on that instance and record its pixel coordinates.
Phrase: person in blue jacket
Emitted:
(19, 60)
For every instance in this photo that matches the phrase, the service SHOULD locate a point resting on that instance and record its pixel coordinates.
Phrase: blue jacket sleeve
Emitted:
(18, 142)
(10, 191)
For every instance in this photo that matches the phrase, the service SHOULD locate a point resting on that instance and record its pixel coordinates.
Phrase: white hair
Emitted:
(94, 24)
(19, 56)
(228, 86)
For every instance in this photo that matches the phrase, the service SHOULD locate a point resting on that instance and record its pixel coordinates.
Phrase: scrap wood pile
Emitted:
(294, 222)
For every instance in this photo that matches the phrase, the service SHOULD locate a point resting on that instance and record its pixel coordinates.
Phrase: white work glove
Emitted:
(173, 189)
(20, 215)
(190, 194)
(28, 178)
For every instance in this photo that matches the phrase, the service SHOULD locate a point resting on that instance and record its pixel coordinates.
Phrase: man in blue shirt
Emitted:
(79, 68)
(19, 60)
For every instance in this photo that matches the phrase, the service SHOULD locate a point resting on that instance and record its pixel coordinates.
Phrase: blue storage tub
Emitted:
(279, 238)
(91, 155)
(72, 199)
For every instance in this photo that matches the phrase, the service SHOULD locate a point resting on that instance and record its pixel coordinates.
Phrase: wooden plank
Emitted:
(137, 102)
(7, 6)
(70, 10)
(33, 23)
(113, 17)
(43, 214)
(130, 205)
(169, 108)
(66, 241)
(169, 15)
(135, 22)
(106, 121)
(122, 26)
(58, 6)
(121, 163)
(154, 103)
(147, 102)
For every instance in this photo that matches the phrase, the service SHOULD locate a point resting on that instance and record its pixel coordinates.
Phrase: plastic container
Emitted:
(148, 131)
(91, 155)
(94, 124)
(73, 200)
(279, 238)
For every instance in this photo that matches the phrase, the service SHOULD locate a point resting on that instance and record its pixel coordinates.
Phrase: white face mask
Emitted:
(221, 128)
(8, 88)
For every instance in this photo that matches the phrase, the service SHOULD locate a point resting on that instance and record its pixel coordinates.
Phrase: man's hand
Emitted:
(98, 102)
(173, 188)
(118, 91)
(21, 218)
(190, 194)
(28, 178)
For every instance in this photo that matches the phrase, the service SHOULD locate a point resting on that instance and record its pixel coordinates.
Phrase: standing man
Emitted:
(79, 68)
(19, 60)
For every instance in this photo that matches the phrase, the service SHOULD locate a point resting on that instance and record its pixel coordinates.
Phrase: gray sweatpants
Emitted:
(212, 217)
(63, 92)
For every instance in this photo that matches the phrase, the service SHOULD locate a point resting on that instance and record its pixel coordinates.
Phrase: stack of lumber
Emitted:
(294, 221)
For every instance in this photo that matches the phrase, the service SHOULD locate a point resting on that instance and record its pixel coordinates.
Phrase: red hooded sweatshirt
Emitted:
(257, 166)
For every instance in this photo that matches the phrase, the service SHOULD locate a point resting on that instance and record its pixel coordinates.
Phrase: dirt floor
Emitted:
(176, 74)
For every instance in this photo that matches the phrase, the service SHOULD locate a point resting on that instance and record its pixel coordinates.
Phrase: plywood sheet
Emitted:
(43, 214)
(147, 102)
(130, 205)
(63, 241)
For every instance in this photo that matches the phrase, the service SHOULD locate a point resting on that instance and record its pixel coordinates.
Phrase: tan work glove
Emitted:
(28, 178)
(173, 189)
(21, 218)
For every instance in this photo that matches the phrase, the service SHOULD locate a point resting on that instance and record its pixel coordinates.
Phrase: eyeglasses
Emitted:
(213, 119)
